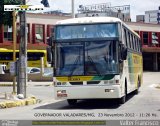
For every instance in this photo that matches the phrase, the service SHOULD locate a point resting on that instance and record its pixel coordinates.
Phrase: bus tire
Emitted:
(71, 101)
(138, 86)
(122, 100)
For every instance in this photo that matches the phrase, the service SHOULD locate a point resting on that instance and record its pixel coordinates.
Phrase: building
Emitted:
(152, 16)
(39, 27)
(105, 9)
(140, 18)
(150, 38)
(149, 33)
(58, 13)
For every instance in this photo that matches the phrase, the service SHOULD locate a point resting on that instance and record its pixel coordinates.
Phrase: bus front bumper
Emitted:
(87, 92)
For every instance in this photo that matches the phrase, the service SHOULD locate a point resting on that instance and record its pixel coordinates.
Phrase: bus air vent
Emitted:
(93, 82)
(76, 83)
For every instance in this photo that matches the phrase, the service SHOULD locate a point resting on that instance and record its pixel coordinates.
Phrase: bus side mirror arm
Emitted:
(124, 53)
(50, 53)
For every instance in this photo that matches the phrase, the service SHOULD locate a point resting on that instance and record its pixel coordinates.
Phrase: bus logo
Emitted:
(73, 79)
(23, 7)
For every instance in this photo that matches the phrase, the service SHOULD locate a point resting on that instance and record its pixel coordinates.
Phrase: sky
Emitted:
(137, 7)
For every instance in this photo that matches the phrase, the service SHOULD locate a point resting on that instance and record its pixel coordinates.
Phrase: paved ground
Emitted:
(145, 105)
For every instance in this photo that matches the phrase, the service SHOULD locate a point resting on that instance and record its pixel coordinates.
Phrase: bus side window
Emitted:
(34, 56)
(137, 47)
(125, 37)
(140, 45)
(132, 42)
(128, 39)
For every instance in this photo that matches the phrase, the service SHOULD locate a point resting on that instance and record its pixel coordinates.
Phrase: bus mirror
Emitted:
(124, 52)
(50, 41)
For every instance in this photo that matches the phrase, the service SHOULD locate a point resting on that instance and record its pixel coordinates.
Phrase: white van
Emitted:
(3, 67)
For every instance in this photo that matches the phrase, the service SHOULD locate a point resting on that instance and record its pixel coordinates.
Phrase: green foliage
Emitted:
(6, 16)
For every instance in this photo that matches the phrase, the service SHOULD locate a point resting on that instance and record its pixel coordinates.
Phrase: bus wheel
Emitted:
(138, 86)
(123, 99)
(71, 101)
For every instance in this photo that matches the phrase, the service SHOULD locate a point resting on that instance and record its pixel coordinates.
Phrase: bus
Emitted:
(96, 58)
(33, 57)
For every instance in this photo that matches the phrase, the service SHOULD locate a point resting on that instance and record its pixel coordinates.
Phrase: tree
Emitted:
(45, 3)
(6, 16)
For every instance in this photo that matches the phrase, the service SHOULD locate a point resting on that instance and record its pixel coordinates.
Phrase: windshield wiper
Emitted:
(74, 65)
(94, 65)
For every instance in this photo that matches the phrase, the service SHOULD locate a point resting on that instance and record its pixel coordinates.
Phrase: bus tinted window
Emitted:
(6, 56)
(34, 55)
(125, 37)
(137, 47)
(130, 40)
(129, 43)
(133, 41)
(87, 31)
(140, 44)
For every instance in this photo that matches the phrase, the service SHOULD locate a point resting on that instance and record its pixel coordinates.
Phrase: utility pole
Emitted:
(14, 47)
(21, 89)
(73, 14)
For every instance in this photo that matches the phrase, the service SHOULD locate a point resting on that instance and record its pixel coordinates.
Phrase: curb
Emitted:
(25, 102)
(45, 85)
(10, 85)
(6, 85)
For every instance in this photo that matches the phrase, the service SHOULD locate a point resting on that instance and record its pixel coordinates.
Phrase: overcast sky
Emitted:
(137, 7)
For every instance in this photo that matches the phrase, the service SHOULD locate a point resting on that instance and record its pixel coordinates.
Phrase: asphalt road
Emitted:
(145, 105)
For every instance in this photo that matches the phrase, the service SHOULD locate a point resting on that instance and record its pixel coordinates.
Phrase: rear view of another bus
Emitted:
(33, 57)
(6, 56)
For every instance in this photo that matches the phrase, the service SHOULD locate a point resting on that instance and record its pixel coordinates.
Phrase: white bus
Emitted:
(96, 58)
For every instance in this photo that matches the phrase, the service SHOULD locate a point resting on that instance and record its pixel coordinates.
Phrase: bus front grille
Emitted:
(93, 82)
(76, 83)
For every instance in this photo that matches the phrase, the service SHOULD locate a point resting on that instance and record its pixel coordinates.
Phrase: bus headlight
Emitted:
(106, 82)
(113, 82)
(64, 83)
(61, 83)
(58, 83)
(109, 90)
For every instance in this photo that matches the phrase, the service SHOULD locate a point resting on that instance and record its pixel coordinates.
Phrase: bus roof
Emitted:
(84, 20)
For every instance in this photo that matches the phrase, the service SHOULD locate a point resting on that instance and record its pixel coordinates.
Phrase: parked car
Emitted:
(2, 68)
(33, 70)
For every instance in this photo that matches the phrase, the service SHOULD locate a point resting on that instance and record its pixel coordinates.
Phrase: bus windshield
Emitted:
(86, 31)
(86, 58)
